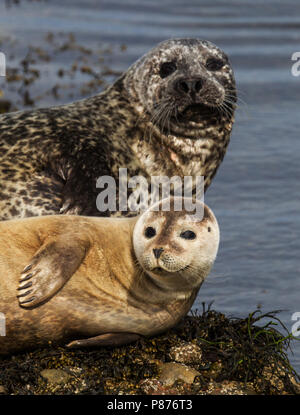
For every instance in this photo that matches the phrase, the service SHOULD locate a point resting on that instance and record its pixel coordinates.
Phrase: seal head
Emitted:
(177, 250)
(183, 81)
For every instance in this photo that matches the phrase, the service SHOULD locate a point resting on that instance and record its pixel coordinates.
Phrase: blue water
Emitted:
(256, 193)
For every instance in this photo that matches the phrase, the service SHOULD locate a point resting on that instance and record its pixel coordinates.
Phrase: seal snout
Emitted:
(157, 252)
(197, 93)
(189, 86)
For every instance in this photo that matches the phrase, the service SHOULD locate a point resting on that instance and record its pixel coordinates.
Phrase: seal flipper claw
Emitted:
(24, 294)
(51, 267)
(107, 339)
(27, 268)
(25, 277)
(27, 301)
(27, 285)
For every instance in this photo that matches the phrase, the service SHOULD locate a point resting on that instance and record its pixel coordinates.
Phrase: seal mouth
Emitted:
(160, 270)
(184, 268)
(196, 112)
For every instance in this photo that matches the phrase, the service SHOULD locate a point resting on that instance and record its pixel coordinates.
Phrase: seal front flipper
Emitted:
(50, 268)
(107, 339)
(80, 191)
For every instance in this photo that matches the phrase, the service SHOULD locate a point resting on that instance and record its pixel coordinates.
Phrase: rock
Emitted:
(3, 391)
(154, 387)
(296, 384)
(170, 372)
(55, 376)
(215, 369)
(187, 353)
(228, 388)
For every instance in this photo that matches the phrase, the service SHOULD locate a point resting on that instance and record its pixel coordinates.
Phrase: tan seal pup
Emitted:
(103, 281)
(170, 114)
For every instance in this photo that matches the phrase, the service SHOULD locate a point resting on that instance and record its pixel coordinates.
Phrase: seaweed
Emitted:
(233, 349)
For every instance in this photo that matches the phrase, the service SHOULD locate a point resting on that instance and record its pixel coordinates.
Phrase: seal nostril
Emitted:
(198, 85)
(182, 86)
(189, 86)
(157, 252)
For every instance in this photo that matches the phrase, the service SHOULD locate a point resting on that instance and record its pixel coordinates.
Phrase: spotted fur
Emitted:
(50, 158)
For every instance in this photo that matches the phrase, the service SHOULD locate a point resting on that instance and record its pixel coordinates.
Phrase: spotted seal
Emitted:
(170, 114)
(94, 281)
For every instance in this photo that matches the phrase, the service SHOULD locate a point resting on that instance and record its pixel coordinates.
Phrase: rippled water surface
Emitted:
(256, 193)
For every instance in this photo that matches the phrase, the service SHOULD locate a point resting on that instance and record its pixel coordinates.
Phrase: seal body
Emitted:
(170, 114)
(100, 281)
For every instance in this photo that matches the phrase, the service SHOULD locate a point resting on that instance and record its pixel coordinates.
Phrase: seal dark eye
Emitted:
(150, 232)
(188, 235)
(167, 68)
(214, 64)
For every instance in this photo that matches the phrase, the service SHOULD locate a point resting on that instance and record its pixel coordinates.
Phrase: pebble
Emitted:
(170, 372)
(55, 376)
(187, 353)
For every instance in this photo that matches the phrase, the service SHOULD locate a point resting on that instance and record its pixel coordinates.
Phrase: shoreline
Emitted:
(204, 354)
